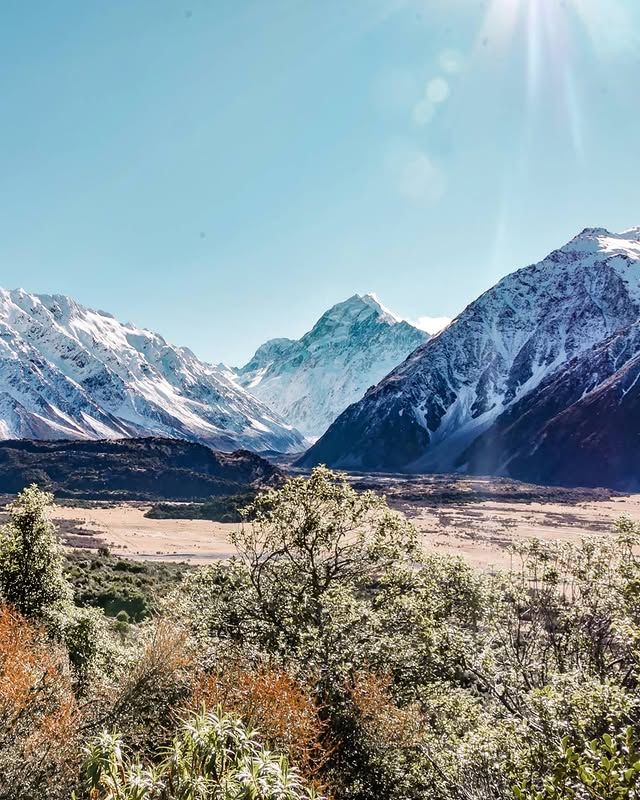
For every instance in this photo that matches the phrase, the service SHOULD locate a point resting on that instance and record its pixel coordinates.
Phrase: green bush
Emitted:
(213, 755)
(116, 584)
(607, 768)
(230, 508)
(31, 577)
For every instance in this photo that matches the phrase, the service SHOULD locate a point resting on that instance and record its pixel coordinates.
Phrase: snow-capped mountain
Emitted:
(425, 414)
(310, 381)
(581, 426)
(69, 372)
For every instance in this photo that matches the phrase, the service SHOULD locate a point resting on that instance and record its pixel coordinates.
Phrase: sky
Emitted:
(223, 171)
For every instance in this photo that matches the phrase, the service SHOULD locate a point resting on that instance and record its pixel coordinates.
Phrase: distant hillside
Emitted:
(131, 469)
(581, 427)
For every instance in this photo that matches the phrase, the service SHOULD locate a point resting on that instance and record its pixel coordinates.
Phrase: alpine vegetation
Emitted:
(331, 658)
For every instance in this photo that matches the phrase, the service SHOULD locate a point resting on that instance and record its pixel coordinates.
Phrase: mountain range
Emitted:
(68, 372)
(536, 379)
(310, 381)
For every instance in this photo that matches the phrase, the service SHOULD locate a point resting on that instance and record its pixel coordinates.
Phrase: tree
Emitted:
(32, 581)
(31, 576)
(313, 550)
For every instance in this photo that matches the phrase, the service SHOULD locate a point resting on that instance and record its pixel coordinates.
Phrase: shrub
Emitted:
(379, 751)
(229, 508)
(607, 768)
(39, 717)
(118, 584)
(271, 701)
(31, 563)
(212, 755)
(376, 670)
(159, 680)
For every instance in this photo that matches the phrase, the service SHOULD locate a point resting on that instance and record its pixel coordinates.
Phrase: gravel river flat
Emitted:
(477, 519)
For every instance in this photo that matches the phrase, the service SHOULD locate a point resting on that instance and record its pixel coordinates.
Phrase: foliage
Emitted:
(86, 636)
(311, 553)
(379, 744)
(32, 581)
(270, 700)
(31, 577)
(39, 744)
(212, 755)
(428, 619)
(160, 678)
(375, 670)
(565, 607)
(608, 767)
(117, 584)
(218, 605)
(228, 508)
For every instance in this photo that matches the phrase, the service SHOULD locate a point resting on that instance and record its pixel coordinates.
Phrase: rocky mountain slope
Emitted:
(68, 372)
(580, 427)
(310, 381)
(132, 469)
(498, 355)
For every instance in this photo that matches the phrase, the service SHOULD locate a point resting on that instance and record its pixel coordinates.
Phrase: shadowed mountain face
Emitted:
(474, 381)
(132, 469)
(581, 427)
(68, 372)
(310, 381)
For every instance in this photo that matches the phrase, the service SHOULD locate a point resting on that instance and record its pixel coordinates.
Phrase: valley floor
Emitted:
(125, 530)
(473, 517)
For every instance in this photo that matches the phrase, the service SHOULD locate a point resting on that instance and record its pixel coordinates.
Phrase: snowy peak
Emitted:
(354, 311)
(67, 371)
(372, 302)
(600, 241)
(500, 349)
(311, 380)
(632, 234)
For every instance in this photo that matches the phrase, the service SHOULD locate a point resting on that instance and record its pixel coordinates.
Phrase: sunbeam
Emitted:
(607, 22)
(550, 32)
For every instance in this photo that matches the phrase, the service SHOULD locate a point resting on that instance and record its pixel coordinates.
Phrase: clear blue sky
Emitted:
(222, 171)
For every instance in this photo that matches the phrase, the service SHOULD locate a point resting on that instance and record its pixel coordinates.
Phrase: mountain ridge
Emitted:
(551, 433)
(426, 413)
(150, 468)
(310, 380)
(68, 371)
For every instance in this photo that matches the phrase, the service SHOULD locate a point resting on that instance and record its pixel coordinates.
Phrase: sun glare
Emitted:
(550, 31)
(606, 22)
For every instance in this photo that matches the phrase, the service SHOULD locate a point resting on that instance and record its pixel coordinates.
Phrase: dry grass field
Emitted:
(480, 518)
(125, 530)
(473, 517)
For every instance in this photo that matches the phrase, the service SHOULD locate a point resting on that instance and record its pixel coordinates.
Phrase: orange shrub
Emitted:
(378, 714)
(39, 749)
(271, 701)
